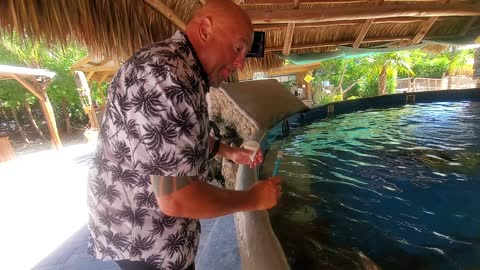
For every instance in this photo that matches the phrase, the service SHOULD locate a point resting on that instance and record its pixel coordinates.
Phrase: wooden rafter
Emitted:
(167, 13)
(400, 20)
(288, 39)
(82, 61)
(292, 69)
(423, 30)
(28, 86)
(296, 3)
(363, 33)
(97, 69)
(469, 25)
(361, 12)
(337, 43)
(246, 3)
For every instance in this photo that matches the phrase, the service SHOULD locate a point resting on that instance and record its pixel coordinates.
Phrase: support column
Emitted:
(40, 92)
(47, 110)
(86, 99)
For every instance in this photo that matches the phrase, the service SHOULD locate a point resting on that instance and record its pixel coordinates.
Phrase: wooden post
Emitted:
(85, 98)
(47, 110)
(46, 106)
(6, 150)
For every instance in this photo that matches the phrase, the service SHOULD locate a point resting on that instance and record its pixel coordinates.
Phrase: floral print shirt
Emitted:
(156, 123)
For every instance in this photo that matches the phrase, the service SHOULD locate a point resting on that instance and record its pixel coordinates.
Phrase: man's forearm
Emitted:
(191, 198)
(223, 151)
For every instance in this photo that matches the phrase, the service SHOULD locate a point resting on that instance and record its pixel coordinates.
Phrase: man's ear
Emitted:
(205, 29)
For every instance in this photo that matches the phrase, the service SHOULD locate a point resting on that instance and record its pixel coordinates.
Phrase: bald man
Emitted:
(147, 185)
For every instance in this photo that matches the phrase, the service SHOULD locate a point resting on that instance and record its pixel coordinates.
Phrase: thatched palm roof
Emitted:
(114, 29)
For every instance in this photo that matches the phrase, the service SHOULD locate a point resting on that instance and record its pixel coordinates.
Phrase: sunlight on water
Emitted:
(394, 188)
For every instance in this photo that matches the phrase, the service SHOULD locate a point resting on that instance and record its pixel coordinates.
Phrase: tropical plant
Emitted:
(388, 65)
(462, 62)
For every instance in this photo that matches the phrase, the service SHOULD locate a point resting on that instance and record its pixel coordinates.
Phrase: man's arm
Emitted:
(223, 151)
(185, 196)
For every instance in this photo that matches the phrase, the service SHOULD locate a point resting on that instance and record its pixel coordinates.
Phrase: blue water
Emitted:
(396, 188)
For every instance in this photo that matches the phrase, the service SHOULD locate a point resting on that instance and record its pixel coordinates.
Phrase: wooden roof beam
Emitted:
(167, 13)
(469, 25)
(337, 43)
(288, 39)
(399, 20)
(363, 33)
(423, 30)
(296, 4)
(362, 12)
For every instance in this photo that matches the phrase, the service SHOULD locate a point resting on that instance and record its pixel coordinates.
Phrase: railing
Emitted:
(429, 84)
(419, 84)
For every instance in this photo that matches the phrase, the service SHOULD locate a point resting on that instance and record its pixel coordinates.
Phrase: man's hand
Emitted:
(266, 193)
(242, 156)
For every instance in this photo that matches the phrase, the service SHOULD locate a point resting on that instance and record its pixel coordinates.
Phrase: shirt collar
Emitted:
(203, 74)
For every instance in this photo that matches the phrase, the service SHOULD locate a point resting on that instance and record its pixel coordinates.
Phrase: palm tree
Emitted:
(462, 63)
(389, 65)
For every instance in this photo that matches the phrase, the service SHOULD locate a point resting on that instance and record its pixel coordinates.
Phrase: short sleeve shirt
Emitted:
(156, 123)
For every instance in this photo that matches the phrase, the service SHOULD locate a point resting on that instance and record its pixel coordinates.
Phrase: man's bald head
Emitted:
(221, 33)
(225, 12)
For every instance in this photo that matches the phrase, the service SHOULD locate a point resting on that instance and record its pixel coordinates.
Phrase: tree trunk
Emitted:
(4, 115)
(476, 66)
(19, 126)
(66, 115)
(382, 80)
(32, 120)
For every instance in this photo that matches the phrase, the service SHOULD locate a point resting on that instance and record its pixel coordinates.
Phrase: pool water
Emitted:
(396, 188)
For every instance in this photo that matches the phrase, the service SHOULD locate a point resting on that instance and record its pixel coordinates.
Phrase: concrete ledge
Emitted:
(258, 244)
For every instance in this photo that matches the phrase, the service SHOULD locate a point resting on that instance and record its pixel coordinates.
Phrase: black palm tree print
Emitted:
(135, 217)
(182, 122)
(148, 102)
(100, 162)
(174, 243)
(178, 264)
(138, 61)
(107, 218)
(161, 164)
(121, 151)
(192, 154)
(101, 191)
(160, 69)
(155, 260)
(131, 128)
(127, 177)
(141, 244)
(132, 79)
(156, 135)
(107, 251)
(162, 223)
(145, 199)
(118, 240)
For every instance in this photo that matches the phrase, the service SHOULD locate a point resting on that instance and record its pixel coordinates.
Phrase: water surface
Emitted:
(397, 188)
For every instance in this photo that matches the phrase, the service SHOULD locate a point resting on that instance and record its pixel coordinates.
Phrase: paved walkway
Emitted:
(44, 215)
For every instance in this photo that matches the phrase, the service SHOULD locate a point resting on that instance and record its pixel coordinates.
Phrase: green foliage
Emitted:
(323, 98)
(62, 89)
(289, 84)
(427, 65)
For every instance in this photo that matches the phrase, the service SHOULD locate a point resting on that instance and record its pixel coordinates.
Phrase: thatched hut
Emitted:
(113, 29)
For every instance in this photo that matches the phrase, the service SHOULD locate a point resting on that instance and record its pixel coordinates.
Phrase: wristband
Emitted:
(217, 137)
